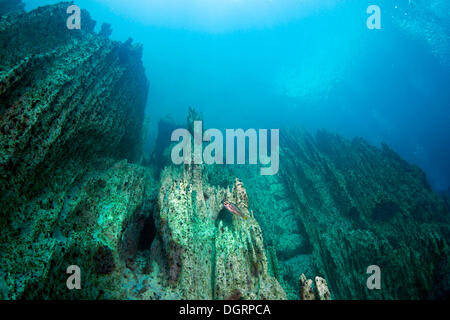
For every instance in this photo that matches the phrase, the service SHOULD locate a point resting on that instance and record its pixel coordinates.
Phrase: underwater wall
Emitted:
(76, 191)
(71, 101)
(363, 206)
(11, 6)
(339, 206)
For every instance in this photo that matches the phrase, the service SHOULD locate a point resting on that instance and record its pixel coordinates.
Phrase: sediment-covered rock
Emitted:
(71, 107)
(306, 288)
(71, 114)
(339, 206)
(319, 291)
(208, 252)
(11, 6)
(363, 206)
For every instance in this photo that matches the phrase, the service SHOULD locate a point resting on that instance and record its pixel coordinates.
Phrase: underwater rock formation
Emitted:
(287, 243)
(210, 253)
(306, 288)
(11, 6)
(321, 289)
(363, 206)
(319, 292)
(339, 206)
(71, 106)
(72, 193)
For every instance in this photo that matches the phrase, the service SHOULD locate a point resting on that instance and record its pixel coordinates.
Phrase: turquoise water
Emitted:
(253, 64)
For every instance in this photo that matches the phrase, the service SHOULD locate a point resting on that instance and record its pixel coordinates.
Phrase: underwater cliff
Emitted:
(11, 6)
(76, 190)
(339, 206)
(71, 106)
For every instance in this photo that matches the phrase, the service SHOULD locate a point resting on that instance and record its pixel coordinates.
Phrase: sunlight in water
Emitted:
(216, 15)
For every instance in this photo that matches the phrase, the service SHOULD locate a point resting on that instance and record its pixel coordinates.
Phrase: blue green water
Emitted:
(253, 64)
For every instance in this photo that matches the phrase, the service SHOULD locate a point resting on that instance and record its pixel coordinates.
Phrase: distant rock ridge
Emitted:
(361, 206)
(351, 205)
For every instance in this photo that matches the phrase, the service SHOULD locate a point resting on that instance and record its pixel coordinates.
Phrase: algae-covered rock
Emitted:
(319, 291)
(339, 206)
(82, 223)
(208, 252)
(64, 94)
(73, 193)
(306, 288)
(282, 229)
(361, 206)
(71, 108)
(11, 6)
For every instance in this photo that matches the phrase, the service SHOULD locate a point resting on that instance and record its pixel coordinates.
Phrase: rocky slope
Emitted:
(339, 206)
(363, 206)
(71, 105)
(74, 191)
(11, 6)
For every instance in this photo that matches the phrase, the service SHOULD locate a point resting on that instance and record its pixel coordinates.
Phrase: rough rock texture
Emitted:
(202, 251)
(306, 288)
(71, 116)
(65, 94)
(210, 253)
(360, 206)
(288, 247)
(339, 206)
(319, 292)
(71, 106)
(11, 6)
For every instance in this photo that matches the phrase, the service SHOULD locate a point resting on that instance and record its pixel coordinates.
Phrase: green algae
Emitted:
(73, 192)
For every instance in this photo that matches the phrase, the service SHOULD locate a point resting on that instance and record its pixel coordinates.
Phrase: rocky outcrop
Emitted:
(319, 292)
(73, 193)
(11, 6)
(321, 289)
(287, 243)
(306, 288)
(89, 101)
(363, 206)
(201, 250)
(339, 206)
(205, 251)
(71, 108)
